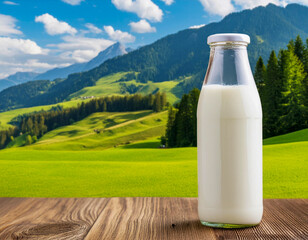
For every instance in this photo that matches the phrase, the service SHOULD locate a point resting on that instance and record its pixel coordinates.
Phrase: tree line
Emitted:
(37, 124)
(283, 90)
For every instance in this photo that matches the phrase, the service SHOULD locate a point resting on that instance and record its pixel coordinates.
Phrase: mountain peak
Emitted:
(110, 52)
(114, 50)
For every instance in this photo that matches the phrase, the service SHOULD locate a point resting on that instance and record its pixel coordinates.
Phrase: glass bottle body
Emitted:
(229, 123)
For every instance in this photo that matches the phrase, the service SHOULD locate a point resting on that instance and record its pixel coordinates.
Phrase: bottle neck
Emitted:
(229, 64)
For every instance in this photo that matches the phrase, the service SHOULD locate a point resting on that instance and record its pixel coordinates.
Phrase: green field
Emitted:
(136, 172)
(124, 160)
(109, 85)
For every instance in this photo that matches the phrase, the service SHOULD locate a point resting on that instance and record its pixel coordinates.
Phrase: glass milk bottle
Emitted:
(229, 138)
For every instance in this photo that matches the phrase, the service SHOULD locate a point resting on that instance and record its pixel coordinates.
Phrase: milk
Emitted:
(230, 155)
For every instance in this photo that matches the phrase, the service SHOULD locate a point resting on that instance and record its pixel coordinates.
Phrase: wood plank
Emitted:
(149, 218)
(282, 219)
(139, 218)
(53, 218)
(177, 218)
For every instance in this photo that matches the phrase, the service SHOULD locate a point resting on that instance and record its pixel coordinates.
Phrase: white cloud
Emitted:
(168, 2)
(254, 3)
(12, 46)
(8, 26)
(72, 2)
(93, 29)
(143, 8)
(21, 55)
(118, 35)
(81, 49)
(197, 26)
(53, 26)
(221, 7)
(142, 27)
(10, 3)
(224, 7)
(30, 63)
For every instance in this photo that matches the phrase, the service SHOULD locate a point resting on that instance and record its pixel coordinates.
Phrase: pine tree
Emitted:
(299, 48)
(294, 117)
(163, 100)
(157, 103)
(272, 96)
(42, 126)
(96, 106)
(170, 136)
(193, 104)
(35, 131)
(29, 125)
(184, 116)
(291, 45)
(104, 106)
(3, 139)
(305, 62)
(259, 76)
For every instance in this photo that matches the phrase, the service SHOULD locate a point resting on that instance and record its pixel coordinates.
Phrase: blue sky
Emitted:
(37, 35)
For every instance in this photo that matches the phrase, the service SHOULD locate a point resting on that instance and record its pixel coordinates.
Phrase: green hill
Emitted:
(180, 55)
(298, 136)
(112, 85)
(105, 130)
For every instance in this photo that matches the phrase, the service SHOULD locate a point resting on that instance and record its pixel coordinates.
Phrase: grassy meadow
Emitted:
(110, 85)
(124, 159)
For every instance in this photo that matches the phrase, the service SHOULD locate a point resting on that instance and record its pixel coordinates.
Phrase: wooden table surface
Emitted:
(139, 218)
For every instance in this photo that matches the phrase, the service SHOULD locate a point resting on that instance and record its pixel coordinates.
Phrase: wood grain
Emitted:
(139, 218)
(38, 218)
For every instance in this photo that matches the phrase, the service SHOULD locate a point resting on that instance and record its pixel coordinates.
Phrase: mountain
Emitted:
(182, 57)
(14, 97)
(116, 49)
(17, 78)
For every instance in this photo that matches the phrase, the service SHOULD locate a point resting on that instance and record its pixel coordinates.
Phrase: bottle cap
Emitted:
(228, 37)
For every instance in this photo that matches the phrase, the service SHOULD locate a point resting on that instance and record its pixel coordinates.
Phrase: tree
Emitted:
(104, 106)
(272, 96)
(34, 139)
(29, 125)
(170, 135)
(42, 126)
(299, 48)
(259, 76)
(28, 140)
(305, 62)
(193, 104)
(184, 119)
(157, 103)
(163, 100)
(294, 116)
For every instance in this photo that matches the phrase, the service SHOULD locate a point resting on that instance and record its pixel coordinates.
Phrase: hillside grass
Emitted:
(141, 172)
(116, 129)
(109, 85)
(18, 141)
(6, 117)
(298, 136)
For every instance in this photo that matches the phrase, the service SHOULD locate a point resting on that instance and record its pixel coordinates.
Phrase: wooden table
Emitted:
(139, 218)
